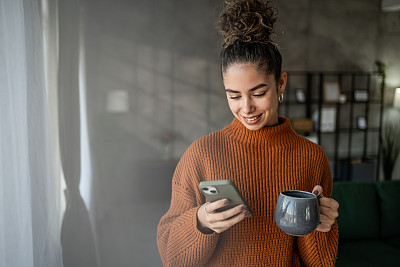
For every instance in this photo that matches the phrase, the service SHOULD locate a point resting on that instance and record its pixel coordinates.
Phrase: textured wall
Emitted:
(388, 49)
(162, 57)
(329, 35)
(165, 55)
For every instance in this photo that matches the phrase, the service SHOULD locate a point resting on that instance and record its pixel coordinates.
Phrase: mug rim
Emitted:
(312, 196)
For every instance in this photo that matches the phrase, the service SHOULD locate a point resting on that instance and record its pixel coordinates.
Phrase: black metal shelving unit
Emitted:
(342, 145)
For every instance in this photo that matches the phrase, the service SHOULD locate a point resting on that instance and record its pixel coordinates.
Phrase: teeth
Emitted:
(252, 119)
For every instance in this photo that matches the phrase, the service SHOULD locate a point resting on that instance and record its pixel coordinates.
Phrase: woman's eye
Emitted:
(234, 97)
(257, 95)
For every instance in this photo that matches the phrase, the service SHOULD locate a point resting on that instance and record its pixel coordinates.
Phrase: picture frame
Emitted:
(328, 119)
(302, 125)
(300, 95)
(361, 123)
(331, 92)
(361, 95)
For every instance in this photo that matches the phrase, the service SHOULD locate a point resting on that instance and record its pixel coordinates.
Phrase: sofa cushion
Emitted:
(393, 241)
(366, 253)
(358, 212)
(389, 194)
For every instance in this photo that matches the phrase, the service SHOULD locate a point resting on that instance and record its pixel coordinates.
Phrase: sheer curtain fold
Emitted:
(29, 225)
(77, 236)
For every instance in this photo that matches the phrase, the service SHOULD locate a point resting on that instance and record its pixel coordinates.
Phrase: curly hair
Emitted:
(247, 21)
(247, 27)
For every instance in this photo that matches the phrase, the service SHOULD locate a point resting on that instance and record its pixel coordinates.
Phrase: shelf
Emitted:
(372, 129)
(343, 130)
(351, 140)
(316, 102)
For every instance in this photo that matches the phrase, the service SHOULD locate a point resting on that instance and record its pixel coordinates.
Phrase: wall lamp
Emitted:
(396, 100)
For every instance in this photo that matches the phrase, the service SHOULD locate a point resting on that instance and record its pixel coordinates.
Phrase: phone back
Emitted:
(223, 189)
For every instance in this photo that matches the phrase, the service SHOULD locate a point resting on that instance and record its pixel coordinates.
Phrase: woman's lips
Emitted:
(252, 120)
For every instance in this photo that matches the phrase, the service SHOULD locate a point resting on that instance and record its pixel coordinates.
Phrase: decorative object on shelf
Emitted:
(390, 141)
(302, 125)
(328, 119)
(342, 98)
(361, 123)
(300, 96)
(382, 73)
(361, 95)
(396, 99)
(331, 92)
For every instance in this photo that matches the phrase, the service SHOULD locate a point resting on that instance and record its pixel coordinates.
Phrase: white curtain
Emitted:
(77, 237)
(29, 219)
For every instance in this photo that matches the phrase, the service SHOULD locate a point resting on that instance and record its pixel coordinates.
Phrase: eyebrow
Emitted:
(252, 89)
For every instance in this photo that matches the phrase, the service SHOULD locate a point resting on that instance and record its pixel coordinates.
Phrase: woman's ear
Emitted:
(282, 83)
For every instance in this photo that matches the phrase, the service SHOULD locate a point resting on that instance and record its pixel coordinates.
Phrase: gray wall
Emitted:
(164, 57)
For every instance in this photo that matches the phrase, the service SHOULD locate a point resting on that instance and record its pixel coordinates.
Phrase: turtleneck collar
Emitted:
(278, 135)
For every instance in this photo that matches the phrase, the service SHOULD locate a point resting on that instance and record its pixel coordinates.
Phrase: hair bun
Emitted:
(247, 21)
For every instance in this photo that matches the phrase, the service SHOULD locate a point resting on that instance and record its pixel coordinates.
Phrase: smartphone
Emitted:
(224, 189)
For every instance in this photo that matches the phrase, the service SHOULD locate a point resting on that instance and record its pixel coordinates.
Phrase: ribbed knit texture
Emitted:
(262, 164)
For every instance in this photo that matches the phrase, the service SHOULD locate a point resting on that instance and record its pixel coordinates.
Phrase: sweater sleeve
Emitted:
(179, 241)
(320, 248)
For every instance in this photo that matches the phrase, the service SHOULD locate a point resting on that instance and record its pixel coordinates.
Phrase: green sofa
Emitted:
(369, 223)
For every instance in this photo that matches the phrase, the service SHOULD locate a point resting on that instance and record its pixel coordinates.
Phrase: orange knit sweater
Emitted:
(261, 163)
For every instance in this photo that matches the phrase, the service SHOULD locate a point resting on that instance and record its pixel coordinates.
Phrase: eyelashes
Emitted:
(256, 95)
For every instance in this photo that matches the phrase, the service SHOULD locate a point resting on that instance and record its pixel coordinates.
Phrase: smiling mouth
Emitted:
(253, 119)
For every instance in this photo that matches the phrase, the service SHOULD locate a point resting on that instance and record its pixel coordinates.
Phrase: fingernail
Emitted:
(243, 207)
(247, 213)
(226, 202)
(316, 192)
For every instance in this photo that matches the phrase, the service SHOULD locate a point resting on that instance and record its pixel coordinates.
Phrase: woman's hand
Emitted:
(209, 220)
(328, 210)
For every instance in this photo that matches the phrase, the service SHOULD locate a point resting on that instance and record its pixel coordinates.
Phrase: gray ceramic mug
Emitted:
(297, 212)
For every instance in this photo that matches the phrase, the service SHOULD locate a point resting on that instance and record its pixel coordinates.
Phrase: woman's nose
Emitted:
(248, 106)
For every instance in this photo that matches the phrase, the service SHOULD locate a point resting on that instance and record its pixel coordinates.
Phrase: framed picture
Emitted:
(331, 92)
(361, 123)
(361, 95)
(302, 125)
(328, 119)
(300, 96)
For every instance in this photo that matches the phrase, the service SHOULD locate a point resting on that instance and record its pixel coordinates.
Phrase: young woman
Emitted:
(260, 153)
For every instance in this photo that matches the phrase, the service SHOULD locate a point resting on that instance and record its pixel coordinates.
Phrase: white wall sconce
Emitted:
(117, 101)
(396, 100)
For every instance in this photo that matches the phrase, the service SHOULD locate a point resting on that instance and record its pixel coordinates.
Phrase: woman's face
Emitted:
(253, 95)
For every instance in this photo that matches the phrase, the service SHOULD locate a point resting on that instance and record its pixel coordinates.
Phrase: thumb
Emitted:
(318, 190)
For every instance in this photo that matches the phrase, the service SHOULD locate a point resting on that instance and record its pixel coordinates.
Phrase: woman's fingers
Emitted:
(224, 215)
(221, 226)
(329, 203)
(210, 219)
(317, 190)
(325, 223)
(331, 213)
(212, 207)
(328, 210)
